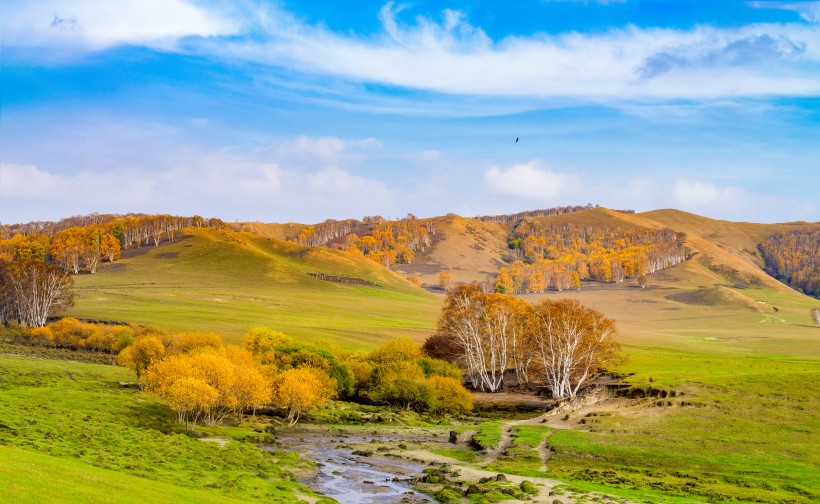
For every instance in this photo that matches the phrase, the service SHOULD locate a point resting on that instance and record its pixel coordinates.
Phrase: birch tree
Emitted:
(570, 342)
(482, 326)
(31, 290)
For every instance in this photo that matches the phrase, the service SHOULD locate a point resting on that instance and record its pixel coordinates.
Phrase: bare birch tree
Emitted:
(31, 290)
(571, 342)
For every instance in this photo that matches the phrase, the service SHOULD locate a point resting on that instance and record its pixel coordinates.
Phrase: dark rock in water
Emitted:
(500, 477)
(453, 437)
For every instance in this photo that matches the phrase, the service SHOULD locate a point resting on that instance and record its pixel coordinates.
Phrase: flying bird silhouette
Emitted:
(516, 139)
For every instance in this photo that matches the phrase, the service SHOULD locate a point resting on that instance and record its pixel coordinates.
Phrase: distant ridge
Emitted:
(545, 212)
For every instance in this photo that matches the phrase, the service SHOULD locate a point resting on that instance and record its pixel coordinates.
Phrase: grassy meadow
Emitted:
(743, 422)
(66, 422)
(228, 282)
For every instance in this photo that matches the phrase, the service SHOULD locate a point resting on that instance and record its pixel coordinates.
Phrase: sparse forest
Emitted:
(385, 242)
(559, 257)
(793, 257)
(79, 243)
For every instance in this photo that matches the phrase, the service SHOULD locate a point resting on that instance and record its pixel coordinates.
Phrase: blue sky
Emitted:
(301, 111)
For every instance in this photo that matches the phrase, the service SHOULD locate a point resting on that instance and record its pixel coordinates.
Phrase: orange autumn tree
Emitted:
(191, 399)
(109, 247)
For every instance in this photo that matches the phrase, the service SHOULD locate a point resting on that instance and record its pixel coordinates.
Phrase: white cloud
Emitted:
(532, 181)
(711, 199)
(453, 56)
(29, 183)
(429, 155)
(232, 183)
(327, 150)
(95, 25)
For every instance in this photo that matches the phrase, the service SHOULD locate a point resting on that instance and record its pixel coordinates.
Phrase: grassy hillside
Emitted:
(227, 282)
(64, 423)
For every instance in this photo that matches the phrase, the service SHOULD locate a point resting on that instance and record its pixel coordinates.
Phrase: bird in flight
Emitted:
(516, 139)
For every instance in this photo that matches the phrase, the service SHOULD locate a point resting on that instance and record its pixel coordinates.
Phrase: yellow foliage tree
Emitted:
(446, 280)
(192, 399)
(187, 342)
(262, 342)
(397, 349)
(299, 389)
(145, 351)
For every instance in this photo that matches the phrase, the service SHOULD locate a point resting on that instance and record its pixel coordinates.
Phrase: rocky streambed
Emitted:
(349, 471)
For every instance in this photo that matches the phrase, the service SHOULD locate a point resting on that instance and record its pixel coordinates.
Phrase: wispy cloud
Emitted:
(808, 10)
(448, 54)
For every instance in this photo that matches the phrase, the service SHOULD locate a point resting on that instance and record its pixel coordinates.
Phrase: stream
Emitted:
(354, 479)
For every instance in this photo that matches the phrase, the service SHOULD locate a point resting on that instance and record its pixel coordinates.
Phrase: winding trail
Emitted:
(507, 436)
(545, 451)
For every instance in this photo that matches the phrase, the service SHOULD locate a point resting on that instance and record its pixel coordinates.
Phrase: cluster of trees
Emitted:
(31, 290)
(204, 381)
(91, 239)
(325, 232)
(391, 242)
(545, 212)
(557, 344)
(560, 256)
(794, 258)
(385, 242)
(399, 374)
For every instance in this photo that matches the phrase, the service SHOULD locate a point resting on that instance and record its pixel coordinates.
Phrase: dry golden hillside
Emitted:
(468, 248)
(273, 230)
(731, 244)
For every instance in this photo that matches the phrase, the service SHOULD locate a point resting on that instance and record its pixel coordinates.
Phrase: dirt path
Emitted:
(545, 451)
(507, 437)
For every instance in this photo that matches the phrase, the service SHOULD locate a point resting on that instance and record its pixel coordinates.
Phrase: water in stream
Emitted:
(354, 479)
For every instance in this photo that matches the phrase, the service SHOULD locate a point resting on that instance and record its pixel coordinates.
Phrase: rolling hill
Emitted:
(228, 282)
(736, 344)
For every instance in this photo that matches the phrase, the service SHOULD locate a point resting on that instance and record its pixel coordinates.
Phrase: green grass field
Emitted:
(228, 282)
(69, 432)
(749, 375)
(744, 428)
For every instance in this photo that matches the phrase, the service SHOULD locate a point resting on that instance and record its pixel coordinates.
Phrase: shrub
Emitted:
(187, 342)
(262, 341)
(450, 395)
(404, 393)
(397, 349)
